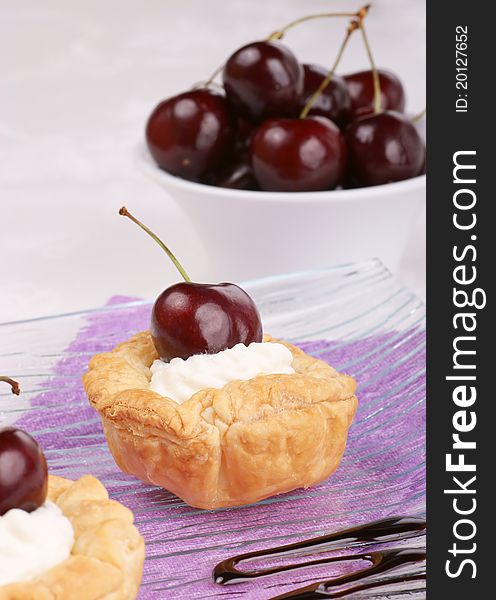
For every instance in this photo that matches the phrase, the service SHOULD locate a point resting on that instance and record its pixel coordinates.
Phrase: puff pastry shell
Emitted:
(106, 562)
(223, 447)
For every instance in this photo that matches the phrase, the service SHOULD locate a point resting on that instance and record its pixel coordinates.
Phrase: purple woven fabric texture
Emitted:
(381, 474)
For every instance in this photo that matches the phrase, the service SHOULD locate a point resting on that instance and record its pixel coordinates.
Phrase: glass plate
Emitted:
(357, 317)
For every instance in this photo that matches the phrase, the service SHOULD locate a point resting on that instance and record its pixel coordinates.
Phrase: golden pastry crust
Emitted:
(106, 561)
(223, 447)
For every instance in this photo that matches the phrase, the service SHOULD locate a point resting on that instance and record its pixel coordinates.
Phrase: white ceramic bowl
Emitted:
(251, 234)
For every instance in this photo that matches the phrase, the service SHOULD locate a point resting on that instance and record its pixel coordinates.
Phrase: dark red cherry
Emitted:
(189, 134)
(263, 79)
(23, 471)
(361, 89)
(23, 468)
(197, 318)
(334, 102)
(383, 148)
(298, 155)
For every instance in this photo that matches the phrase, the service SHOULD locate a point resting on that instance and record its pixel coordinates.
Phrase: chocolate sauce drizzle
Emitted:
(381, 561)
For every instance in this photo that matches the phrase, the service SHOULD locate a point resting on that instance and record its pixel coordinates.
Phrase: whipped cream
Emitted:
(179, 379)
(31, 543)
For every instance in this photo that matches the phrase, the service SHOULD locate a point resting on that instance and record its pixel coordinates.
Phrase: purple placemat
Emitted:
(382, 472)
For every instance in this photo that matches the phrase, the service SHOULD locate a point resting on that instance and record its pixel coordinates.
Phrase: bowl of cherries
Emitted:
(287, 166)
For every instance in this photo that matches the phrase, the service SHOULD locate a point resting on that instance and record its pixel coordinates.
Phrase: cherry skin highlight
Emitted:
(361, 90)
(298, 155)
(23, 471)
(384, 148)
(189, 134)
(197, 318)
(263, 79)
(334, 102)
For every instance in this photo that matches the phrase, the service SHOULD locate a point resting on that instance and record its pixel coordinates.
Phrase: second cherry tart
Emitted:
(298, 155)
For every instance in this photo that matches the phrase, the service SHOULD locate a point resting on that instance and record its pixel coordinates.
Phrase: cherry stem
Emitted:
(361, 13)
(125, 213)
(418, 117)
(375, 74)
(13, 384)
(212, 77)
(279, 34)
(354, 25)
(208, 84)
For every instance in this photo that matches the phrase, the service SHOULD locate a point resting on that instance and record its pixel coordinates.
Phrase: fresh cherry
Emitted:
(383, 148)
(197, 318)
(298, 155)
(23, 468)
(361, 90)
(189, 134)
(334, 102)
(263, 79)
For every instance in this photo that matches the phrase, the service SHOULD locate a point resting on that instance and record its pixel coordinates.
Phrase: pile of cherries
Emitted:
(266, 129)
(23, 468)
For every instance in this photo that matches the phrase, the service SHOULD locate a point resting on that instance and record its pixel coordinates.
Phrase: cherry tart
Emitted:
(106, 560)
(227, 446)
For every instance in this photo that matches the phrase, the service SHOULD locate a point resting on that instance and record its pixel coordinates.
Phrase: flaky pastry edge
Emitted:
(117, 384)
(106, 560)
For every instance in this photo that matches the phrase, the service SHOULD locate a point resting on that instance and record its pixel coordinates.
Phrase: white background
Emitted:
(77, 81)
